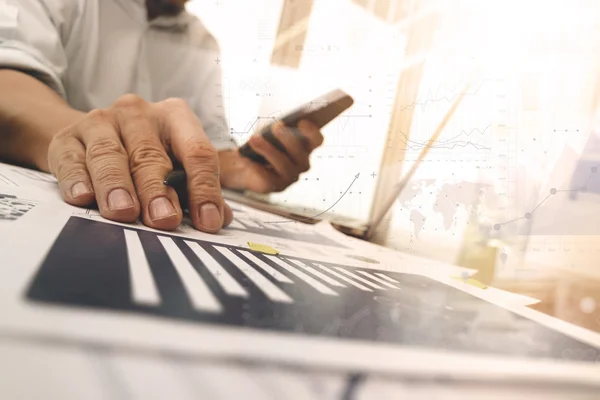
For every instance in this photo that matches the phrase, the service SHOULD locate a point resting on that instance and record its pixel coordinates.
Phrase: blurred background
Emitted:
(512, 181)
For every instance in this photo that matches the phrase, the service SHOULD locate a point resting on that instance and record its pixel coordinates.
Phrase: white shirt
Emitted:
(93, 51)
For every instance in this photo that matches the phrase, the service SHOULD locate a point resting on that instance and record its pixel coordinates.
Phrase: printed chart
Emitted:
(110, 267)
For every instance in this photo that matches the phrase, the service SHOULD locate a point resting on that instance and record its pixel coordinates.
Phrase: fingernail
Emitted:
(161, 208)
(79, 189)
(119, 199)
(210, 218)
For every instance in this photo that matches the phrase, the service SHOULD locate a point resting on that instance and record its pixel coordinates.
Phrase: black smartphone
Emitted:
(319, 111)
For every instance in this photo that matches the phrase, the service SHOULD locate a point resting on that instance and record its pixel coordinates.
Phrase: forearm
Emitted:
(31, 113)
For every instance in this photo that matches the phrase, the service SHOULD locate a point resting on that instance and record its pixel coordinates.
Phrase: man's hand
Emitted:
(119, 158)
(238, 172)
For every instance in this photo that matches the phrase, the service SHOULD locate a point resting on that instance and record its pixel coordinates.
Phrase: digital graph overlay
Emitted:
(242, 222)
(322, 212)
(448, 144)
(553, 191)
(97, 265)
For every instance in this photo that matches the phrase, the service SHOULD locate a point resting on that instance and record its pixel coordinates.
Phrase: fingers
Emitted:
(119, 158)
(66, 158)
(312, 134)
(108, 167)
(281, 164)
(296, 148)
(200, 160)
(149, 163)
(285, 166)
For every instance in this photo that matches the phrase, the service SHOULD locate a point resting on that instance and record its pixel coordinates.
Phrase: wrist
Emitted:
(30, 115)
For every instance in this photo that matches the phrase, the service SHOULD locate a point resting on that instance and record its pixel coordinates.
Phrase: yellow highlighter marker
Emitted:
(263, 248)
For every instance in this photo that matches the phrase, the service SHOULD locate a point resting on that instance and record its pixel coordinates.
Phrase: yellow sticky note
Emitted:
(263, 248)
(472, 282)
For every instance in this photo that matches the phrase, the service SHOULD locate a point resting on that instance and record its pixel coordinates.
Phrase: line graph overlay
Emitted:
(322, 212)
(553, 191)
(447, 98)
(449, 144)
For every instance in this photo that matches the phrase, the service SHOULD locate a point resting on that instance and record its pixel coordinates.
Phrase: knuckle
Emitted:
(175, 102)
(71, 173)
(97, 115)
(201, 151)
(61, 155)
(203, 186)
(103, 149)
(207, 182)
(68, 158)
(130, 101)
(69, 165)
(148, 153)
(109, 174)
(147, 188)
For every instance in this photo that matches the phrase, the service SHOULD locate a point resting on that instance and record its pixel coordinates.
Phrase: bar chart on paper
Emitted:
(101, 266)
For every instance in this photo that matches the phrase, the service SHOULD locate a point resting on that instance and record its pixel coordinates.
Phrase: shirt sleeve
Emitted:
(30, 39)
(208, 104)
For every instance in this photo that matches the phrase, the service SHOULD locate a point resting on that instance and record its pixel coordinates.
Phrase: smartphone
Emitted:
(319, 111)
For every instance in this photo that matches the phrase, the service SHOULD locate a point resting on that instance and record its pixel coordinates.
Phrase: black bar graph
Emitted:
(103, 266)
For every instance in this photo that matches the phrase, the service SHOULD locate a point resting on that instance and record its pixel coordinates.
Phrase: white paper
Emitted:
(13, 176)
(28, 239)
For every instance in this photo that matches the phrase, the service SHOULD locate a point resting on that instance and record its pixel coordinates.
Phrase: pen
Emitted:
(177, 179)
